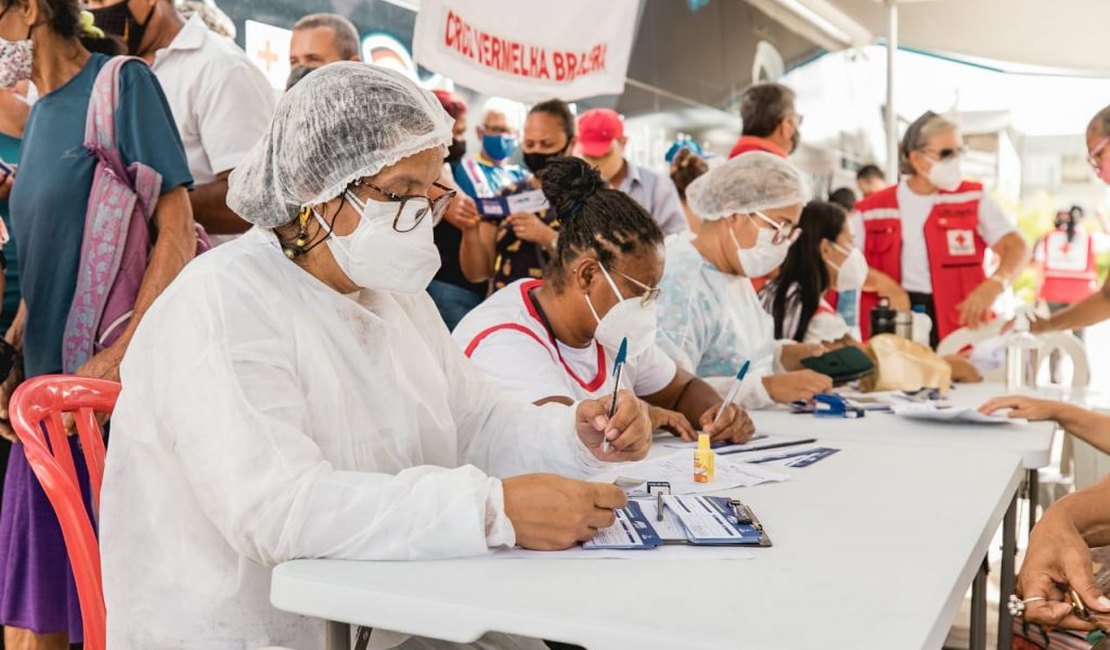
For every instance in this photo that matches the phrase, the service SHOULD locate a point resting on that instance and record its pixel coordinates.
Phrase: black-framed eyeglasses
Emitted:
(413, 208)
(650, 294)
(784, 232)
(947, 153)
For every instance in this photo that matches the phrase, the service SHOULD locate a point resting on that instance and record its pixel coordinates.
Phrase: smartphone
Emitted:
(847, 364)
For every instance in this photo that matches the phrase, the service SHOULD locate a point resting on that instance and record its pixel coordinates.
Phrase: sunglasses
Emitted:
(413, 208)
(948, 153)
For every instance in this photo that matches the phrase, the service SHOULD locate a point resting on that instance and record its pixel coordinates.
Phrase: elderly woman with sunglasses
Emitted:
(711, 321)
(929, 234)
(294, 394)
(556, 339)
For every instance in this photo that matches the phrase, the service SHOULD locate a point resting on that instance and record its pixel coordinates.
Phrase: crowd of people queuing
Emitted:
(383, 340)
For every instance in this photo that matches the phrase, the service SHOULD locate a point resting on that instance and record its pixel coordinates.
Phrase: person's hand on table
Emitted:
(800, 385)
(551, 513)
(734, 426)
(462, 213)
(1058, 558)
(628, 432)
(975, 310)
(794, 353)
(1026, 408)
(963, 370)
(671, 421)
(530, 228)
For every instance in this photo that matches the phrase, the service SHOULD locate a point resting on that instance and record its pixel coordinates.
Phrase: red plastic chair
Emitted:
(39, 403)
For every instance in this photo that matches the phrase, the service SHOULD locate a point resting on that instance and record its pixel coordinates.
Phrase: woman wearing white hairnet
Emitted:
(710, 318)
(295, 394)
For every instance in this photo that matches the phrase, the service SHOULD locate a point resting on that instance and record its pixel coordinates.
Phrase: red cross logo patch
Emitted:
(961, 242)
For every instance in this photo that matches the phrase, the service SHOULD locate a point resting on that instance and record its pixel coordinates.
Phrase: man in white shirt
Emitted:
(221, 101)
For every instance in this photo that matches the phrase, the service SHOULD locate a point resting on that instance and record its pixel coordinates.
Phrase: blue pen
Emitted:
(618, 366)
(734, 391)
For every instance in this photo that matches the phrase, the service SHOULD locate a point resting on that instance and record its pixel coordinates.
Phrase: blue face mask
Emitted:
(498, 147)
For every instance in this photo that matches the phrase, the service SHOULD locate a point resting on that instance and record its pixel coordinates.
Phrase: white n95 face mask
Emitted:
(764, 257)
(377, 257)
(946, 174)
(630, 318)
(852, 272)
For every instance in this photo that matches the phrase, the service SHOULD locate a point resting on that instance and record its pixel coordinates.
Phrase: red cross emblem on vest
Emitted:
(961, 242)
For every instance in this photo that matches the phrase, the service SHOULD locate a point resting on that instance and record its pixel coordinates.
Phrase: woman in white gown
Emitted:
(294, 394)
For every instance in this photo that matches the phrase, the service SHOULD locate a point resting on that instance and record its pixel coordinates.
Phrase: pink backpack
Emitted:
(117, 239)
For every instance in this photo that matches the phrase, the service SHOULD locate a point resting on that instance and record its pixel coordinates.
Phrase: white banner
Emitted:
(268, 47)
(513, 49)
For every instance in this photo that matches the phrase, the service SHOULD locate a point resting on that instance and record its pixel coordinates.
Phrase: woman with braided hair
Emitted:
(555, 339)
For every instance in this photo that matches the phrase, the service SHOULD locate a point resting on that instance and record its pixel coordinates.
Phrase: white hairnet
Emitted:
(343, 122)
(753, 181)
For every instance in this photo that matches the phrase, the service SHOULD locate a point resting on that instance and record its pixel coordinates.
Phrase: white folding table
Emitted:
(870, 550)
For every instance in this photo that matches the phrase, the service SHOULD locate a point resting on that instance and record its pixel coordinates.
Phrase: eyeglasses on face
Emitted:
(650, 294)
(947, 153)
(413, 208)
(784, 232)
(1095, 157)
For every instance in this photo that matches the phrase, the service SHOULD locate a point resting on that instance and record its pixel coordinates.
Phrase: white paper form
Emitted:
(621, 535)
(962, 414)
(701, 520)
(670, 529)
(659, 553)
(678, 470)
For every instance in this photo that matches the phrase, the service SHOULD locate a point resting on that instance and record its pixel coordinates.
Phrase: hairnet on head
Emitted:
(343, 122)
(754, 181)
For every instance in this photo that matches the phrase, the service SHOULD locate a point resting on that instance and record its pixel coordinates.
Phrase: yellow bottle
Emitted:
(704, 460)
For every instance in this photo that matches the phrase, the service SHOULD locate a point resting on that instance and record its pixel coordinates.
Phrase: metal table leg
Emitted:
(979, 609)
(337, 636)
(1006, 587)
(1032, 479)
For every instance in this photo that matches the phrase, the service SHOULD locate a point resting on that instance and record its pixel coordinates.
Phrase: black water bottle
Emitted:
(882, 318)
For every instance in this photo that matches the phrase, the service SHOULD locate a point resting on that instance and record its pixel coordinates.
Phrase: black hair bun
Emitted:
(568, 183)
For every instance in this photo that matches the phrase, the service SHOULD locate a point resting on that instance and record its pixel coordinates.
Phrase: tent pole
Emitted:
(891, 113)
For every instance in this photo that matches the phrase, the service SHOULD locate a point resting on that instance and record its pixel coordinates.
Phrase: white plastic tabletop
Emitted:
(1032, 441)
(870, 550)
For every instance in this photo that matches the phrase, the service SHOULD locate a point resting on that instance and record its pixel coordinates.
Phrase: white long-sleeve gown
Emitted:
(265, 417)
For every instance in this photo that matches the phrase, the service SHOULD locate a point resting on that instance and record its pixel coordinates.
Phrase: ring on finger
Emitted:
(1016, 604)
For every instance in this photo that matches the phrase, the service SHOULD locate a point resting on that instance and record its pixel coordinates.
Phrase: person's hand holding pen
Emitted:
(628, 430)
(727, 423)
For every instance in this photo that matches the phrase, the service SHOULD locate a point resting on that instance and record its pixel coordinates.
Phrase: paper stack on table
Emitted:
(953, 415)
(678, 470)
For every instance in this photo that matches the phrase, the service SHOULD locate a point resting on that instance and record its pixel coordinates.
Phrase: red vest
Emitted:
(748, 143)
(1070, 274)
(952, 242)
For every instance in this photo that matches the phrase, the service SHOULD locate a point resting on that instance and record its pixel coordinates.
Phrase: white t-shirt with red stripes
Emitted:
(507, 340)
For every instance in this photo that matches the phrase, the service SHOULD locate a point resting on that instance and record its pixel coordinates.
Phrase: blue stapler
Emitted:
(828, 406)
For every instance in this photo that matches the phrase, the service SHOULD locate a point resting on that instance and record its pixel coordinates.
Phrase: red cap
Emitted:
(597, 128)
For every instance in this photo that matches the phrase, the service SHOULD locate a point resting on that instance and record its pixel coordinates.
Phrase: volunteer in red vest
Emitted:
(930, 234)
(770, 122)
(1066, 260)
(555, 339)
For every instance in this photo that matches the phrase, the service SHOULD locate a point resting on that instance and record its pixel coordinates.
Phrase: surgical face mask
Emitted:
(375, 256)
(117, 19)
(946, 174)
(296, 74)
(15, 61)
(764, 257)
(498, 146)
(852, 272)
(456, 151)
(630, 318)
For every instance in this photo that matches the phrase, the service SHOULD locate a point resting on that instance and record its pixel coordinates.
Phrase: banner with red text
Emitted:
(528, 51)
